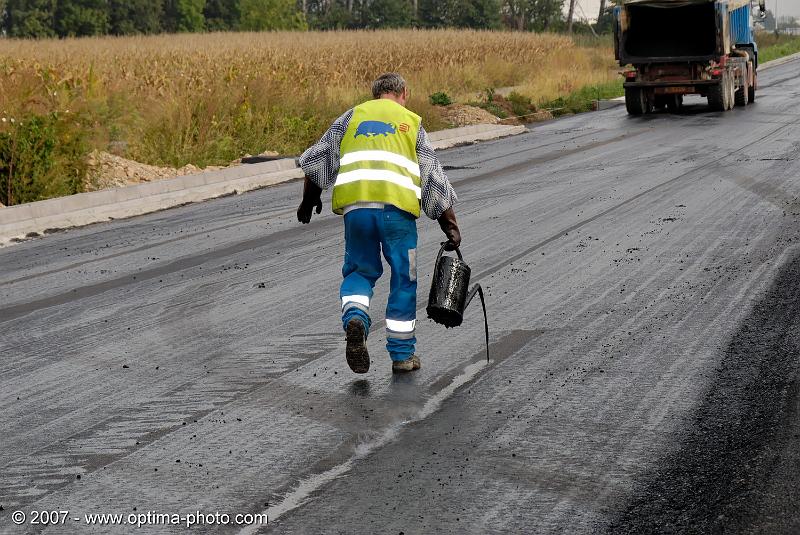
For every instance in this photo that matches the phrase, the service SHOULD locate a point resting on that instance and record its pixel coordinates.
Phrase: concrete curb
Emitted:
(26, 220)
(444, 139)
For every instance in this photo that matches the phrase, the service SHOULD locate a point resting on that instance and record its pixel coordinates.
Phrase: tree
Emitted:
(605, 22)
(77, 18)
(570, 15)
(434, 13)
(786, 21)
(221, 15)
(330, 16)
(545, 14)
(484, 14)
(534, 15)
(2, 17)
(136, 16)
(260, 15)
(386, 14)
(30, 18)
(459, 13)
(184, 15)
(601, 10)
(769, 21)
(516, 13)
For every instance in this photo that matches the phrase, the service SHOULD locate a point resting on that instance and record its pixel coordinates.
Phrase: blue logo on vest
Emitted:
(375, 128)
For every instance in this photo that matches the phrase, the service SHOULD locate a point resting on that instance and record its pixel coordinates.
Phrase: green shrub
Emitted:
(520, 104)
(494, 109)
(440, 98)
(41, 156)
(583, 99)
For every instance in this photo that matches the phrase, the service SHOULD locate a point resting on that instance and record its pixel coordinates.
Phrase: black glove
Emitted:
(311, 199)
(450, 228)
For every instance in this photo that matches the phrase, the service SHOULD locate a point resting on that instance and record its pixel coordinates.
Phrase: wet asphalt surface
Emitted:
(642, 279)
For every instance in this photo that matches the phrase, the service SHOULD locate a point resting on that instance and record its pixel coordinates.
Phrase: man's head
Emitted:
(392, 86)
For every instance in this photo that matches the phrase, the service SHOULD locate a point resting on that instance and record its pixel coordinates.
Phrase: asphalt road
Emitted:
(642, 277)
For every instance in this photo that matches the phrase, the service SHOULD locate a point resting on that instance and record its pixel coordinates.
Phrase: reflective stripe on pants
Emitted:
(402, 330)
(358, 301)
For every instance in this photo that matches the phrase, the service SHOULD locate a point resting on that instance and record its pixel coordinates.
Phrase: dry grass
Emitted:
(205, 99)
(173, 65)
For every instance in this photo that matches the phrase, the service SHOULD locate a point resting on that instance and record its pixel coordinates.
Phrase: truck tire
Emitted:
(731, 92)
(717, 96)
(751, 95)
(636, 101)
(674, 103)
(742, 96)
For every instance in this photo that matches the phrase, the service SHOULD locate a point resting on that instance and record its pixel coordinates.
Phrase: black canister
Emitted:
(448, 297)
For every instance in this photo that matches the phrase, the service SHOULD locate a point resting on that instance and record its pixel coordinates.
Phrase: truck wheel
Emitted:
(742, 96)
(674, 103)
(751, 95)
(730, 90)
(636, 101)
(717, 96)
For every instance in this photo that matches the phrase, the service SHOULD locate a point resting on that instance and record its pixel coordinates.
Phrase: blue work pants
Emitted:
(367, 232)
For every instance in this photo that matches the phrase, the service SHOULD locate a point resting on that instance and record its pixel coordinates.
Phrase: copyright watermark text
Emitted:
(149, 518)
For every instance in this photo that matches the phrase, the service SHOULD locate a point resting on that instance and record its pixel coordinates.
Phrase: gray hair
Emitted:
(389, 82)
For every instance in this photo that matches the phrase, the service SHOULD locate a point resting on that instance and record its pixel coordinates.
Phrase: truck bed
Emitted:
(667, 31)
(670, 30)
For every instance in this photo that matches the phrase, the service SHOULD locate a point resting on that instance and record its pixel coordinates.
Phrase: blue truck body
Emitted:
(680, 47)
(741, 27)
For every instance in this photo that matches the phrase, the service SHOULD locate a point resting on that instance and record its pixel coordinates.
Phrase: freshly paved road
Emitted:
(643, 277)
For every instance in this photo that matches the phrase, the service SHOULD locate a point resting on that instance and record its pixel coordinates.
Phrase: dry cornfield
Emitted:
(175, 65)
(206, 99)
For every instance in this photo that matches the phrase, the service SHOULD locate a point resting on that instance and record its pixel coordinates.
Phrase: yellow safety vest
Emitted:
(378, 160)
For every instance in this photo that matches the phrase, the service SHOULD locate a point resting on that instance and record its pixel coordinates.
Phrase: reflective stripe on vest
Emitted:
(378, 161)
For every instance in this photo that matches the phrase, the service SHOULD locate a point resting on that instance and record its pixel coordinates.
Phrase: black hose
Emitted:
(477, 288)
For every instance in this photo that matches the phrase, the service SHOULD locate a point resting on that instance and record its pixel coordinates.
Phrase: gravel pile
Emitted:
(106, 170)
(465, 115)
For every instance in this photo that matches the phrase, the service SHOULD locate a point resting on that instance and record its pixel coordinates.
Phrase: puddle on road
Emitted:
(507, 345)
(300, 494)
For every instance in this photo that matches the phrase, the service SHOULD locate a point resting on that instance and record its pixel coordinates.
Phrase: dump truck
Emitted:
(672, 48)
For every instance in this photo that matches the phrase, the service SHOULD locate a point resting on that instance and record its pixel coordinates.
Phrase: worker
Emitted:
(383, 169)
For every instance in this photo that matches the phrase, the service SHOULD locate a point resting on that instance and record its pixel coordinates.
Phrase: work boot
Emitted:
(409, 365)
(356, 353)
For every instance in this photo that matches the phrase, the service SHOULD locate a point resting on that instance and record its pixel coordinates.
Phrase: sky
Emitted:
(785, 7)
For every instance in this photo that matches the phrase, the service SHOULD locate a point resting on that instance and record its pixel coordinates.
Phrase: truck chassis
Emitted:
(654, 86)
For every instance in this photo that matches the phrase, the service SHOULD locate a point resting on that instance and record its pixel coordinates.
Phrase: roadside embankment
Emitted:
(35, 218)
(207, 99)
